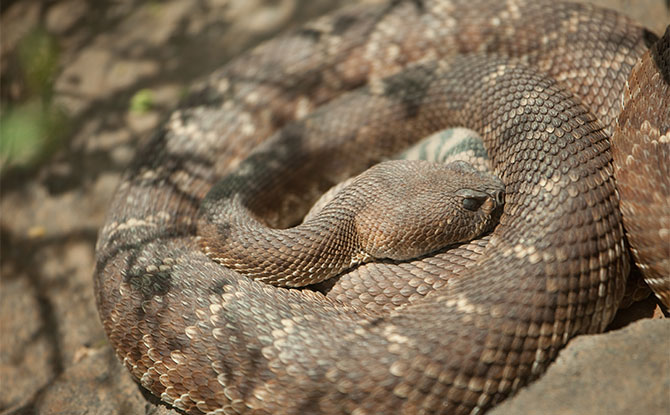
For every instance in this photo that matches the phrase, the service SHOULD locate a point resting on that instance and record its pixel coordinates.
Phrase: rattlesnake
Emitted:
(205, 339)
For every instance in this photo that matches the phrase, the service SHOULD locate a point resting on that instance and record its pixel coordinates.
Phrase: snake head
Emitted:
(418, 207)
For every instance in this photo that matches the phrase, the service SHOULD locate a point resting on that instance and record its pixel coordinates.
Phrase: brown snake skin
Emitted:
(641, 151)
(207, 340)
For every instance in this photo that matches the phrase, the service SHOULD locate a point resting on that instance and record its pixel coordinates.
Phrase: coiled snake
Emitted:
(541, 81)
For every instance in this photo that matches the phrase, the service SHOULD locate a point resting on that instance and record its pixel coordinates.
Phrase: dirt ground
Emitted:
(119, 69)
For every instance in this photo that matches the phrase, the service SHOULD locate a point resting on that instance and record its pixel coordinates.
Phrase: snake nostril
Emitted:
(500, 197)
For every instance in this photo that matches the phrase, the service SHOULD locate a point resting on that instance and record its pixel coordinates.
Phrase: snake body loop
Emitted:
(641, 151)
(540, 81)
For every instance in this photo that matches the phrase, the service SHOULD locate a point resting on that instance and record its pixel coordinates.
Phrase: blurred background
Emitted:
(80, 83)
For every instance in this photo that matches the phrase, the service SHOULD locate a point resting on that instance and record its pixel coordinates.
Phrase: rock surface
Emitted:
(622, 372)
(54, 356)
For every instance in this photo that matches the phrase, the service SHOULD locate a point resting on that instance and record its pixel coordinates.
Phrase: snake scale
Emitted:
(542, 82)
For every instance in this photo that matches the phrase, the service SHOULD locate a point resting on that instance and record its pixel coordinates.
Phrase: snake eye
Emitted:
(473, 203)
(472, 199)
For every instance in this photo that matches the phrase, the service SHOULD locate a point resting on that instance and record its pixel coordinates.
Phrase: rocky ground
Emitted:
(85, 81)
